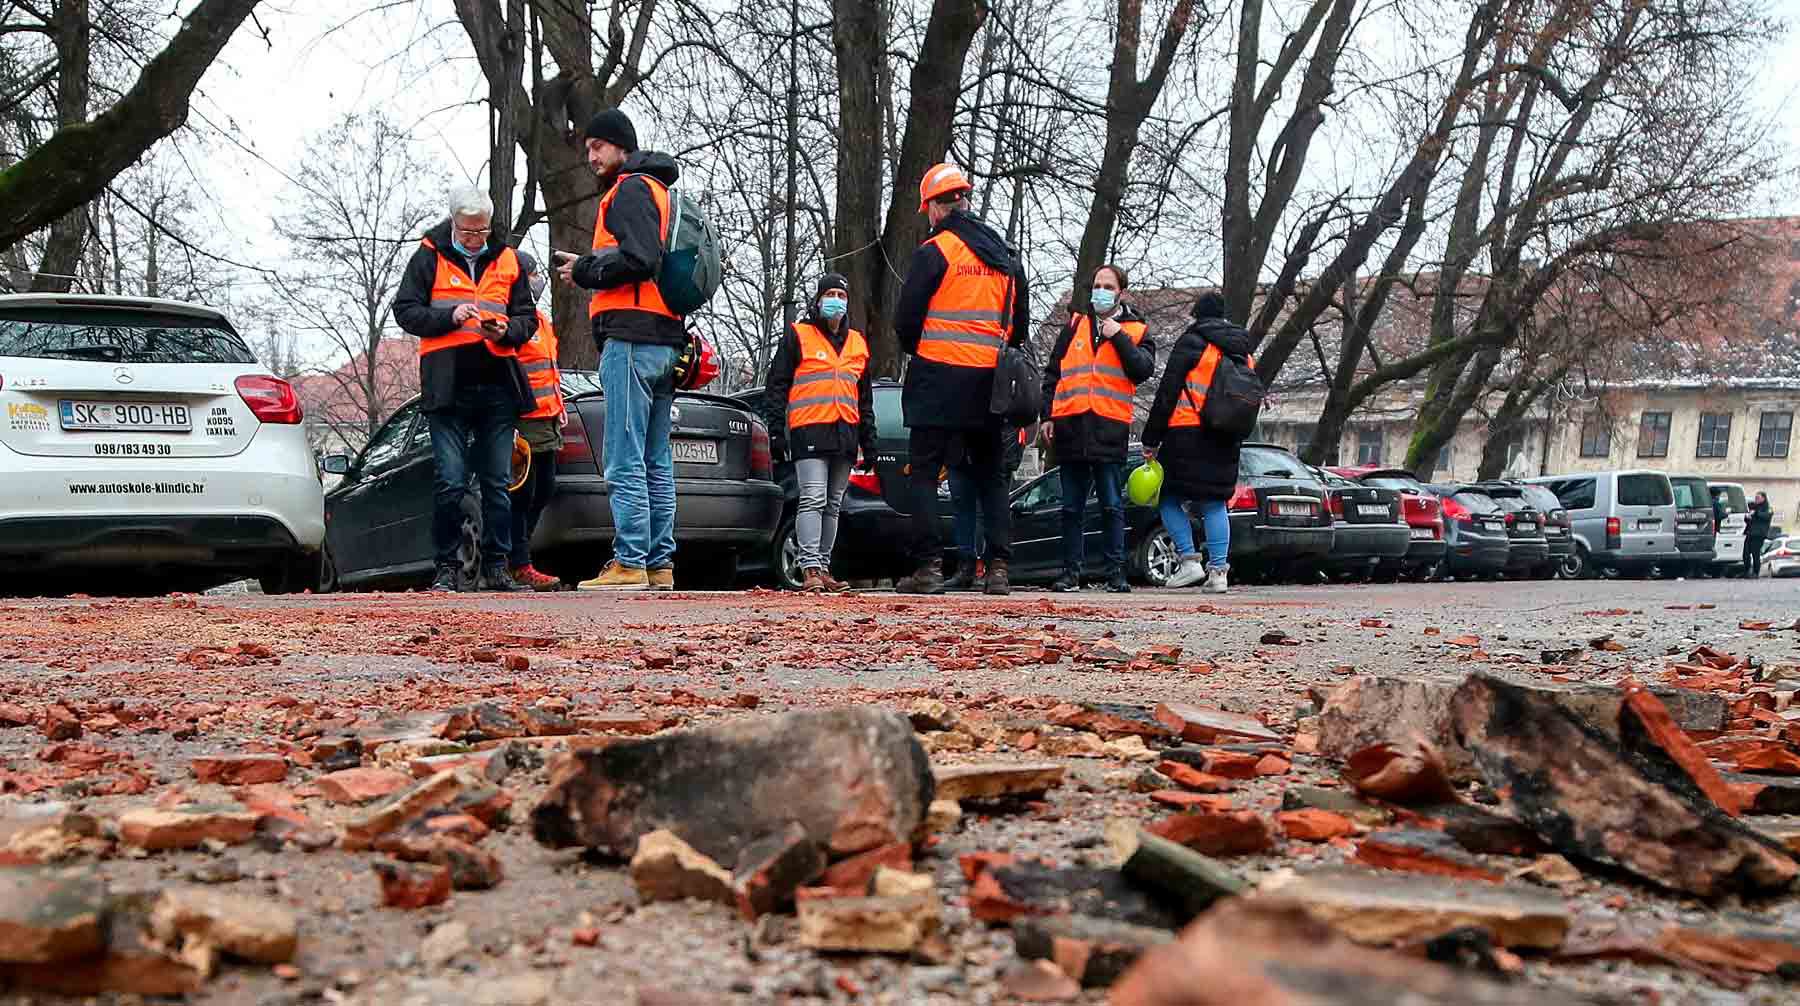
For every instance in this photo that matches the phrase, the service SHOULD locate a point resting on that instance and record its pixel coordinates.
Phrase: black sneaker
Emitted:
(445, 583)
(1066, 583)
(499, 581)
(1117, 584)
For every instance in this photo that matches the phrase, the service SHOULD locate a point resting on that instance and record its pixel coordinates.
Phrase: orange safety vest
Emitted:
(1199, 380)
(452, 286)
(537, 359)
(967, 320)
(825, 379)
(643, 295)
(1093, 380)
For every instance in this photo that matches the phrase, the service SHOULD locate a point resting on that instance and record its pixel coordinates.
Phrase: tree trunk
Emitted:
(503, 98)
(63, 247)
(790, 250)
(859, 41)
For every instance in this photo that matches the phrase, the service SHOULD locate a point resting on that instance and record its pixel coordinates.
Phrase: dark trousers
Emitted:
(473, 437)
(978, 455)
(1753, 549)
(528, 503)
(1105, 478)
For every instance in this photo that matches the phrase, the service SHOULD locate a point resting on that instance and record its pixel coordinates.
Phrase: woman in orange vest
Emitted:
(821, 411)
(1090, 385)
(541, 426)
(1199, 466)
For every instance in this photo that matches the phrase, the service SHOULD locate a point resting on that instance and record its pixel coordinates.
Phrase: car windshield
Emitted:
(118, 336)
(579, 382)
(1691, 494)
(1271, 462)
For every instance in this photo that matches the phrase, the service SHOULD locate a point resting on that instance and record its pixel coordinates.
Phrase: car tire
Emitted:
(1578, 566)
(294, 575)
(328, 571)
(707, 571)
(1154, 558)
(784, 556)
(468, 546)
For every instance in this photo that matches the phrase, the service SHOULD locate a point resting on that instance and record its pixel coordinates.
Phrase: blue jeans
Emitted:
(1107, 479)
(639, 385)
(474, 436)
(1214, 518)
(965, 504)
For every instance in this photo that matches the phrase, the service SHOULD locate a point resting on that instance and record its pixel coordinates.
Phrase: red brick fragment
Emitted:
(360, 785)
(413, 885)
(1313, 825)
(59, 724)
(1217, 834)
(1192, 778)
(1646, 713)
(239, 770)
(858, 871)
(1183, 800)
(1408, 773)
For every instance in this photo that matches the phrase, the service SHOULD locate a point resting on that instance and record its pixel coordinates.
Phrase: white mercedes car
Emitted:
(143, 449)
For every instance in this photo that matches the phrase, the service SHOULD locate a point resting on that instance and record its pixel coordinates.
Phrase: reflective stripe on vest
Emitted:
(1199, 380)
(825, 379)
(538, 359)
(1094, 380)
(643, 295)
(964, 321)
(452, 287)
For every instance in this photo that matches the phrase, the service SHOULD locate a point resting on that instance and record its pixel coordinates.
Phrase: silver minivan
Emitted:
(1622, 521)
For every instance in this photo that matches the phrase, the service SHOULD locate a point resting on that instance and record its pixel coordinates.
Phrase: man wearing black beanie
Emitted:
(639, 339)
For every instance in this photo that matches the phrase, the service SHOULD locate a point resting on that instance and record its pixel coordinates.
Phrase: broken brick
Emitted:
(1406, 773)
(395, 811)
(1177, 874)
(1229, 833)
(1198, 725)
(239, 770)
(129, 962)
(1382, 908)
(1038, 982)
(48, 917)
(1184, 800)
(1000, 779)
(360, 785)
(471, 868)
(1110, 720)
(1312, 825)
(187, 826)
(1476, 829)
(857, 872)
(1646, 727)
(1024, 888)
(1092, 951)
(59, 724)
(1335, 801)
(1194, 779)
(1422, 851)
(413, 885)
(868, 924)
(770, 870)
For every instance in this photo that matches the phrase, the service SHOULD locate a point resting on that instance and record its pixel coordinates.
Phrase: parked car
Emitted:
(145, 450)
(1729, 534)
(875, 524)
(1368, 528)
(1424, 519)
(379, 515)
(1624, 521)
(1558, 528)
(1477, 544)
(1694, 532)
(1528, 550)
(1782, 556)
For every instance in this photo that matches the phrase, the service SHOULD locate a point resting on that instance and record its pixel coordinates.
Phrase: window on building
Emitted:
(1773, 435)
(1653, 435)
(1368, 445)
(1596, 437)
(1715, 435)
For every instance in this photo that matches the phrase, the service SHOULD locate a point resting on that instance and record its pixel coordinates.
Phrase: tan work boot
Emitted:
(832, 583)
(812, 583)
(997, 582)
(617, 577)
(662, 579)
(927, 579)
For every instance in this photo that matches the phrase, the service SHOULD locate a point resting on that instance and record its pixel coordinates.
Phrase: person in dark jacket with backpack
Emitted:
(1756, 532)
(1200, 465)
(820, 408)
(1090, 386)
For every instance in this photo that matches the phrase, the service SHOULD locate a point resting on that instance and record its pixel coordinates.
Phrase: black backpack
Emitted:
(1234, 398)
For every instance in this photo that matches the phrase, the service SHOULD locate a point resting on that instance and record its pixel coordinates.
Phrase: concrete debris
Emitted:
(1380, 908)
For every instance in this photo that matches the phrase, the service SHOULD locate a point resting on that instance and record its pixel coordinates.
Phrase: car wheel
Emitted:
(468, 550)
(293, 575)
(1577, 565)
(1156, 558)
(328, 571)
(785, 560)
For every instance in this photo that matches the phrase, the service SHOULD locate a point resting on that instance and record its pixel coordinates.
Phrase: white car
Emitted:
(143, 449)
(1728, 546)
(1783, 556)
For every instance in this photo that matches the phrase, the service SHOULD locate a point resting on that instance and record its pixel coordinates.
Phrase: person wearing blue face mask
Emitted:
(820, 409)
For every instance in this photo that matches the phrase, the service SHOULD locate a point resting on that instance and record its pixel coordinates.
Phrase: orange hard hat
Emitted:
(942, 179)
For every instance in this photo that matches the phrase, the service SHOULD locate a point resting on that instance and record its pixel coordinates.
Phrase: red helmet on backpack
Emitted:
(697, 366)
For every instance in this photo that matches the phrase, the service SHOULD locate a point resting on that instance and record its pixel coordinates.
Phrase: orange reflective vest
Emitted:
(825, 379)
(452, 287)
(537, 359)
(643, 295)
(1093, 380)
(966, 321)
(1199, 380)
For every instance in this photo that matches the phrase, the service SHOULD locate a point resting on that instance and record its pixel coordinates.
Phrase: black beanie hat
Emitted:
(613, 126)
(1210, 305)
(831, 281)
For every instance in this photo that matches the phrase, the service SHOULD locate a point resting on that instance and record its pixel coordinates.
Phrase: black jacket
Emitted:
(633, 220)
(937, 395)
(833, 440)
(442, 372)
(1088, 437)
(1197, 464)
(1757, 524)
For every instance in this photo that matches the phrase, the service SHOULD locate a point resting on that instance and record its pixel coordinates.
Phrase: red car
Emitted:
(1423, 513)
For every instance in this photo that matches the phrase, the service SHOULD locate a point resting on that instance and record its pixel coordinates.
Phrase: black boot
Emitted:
(927, 579)
(998, 583)
(965, 576)
(1117, 583)
(445, 582)
(1066, 582)
(496, 580)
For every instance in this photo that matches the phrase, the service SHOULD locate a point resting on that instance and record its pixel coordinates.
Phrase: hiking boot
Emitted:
(528, 576)
(617, 577)
(927, 579)
(495, 580)
(812, 583)
(832, 584)
(1118, 584)
(1190, 572)
(1065, 583)
(445, 582)
(967, 577)
(998, 583)
(1215, 581)
(662, 579)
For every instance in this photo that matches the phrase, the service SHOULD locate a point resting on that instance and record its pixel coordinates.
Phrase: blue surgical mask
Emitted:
(833, 308)
(1104, 299)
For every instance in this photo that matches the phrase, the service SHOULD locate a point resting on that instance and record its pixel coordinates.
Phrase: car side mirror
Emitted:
(335, 464)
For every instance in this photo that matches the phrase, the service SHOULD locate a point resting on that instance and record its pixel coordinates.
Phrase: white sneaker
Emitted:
(1190, 572)
(1215, 581)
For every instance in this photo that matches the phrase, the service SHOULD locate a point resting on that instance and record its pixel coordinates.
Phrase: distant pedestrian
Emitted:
(820, 408)
(966, 511)
(1756, 532)
(639, 339)
(465, 295)
(542, 427)
(965, 298)
(1200, 466)
(1090, 386)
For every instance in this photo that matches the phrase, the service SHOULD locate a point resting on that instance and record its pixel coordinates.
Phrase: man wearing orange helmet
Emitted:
(965, 298)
